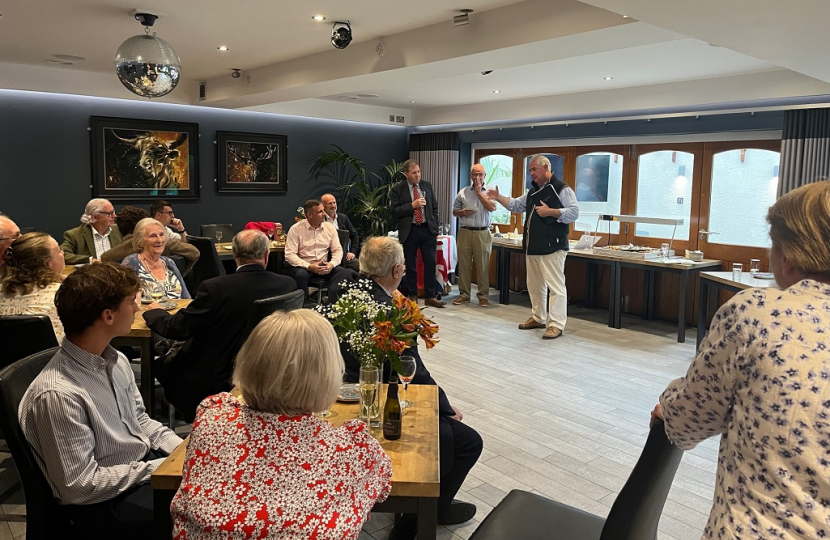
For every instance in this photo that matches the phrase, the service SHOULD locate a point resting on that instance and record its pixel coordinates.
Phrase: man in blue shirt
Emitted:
(473, 207)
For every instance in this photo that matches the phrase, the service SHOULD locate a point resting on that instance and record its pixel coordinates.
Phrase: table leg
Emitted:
(591, 293)
(162, 520)
(648, 295)
(615, 301)
(681, 311)
(427, 518)
(702, 311)
(504, 276)
(148, 384)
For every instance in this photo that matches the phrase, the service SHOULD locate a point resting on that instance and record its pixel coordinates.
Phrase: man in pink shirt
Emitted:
(312, 247)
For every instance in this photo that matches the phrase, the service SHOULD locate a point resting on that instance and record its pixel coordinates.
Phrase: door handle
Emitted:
(703, 234)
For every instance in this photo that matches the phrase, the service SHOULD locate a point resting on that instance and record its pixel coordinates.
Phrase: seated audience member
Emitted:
(174, 229)
(149, 242)
(9, 232)
(343, 223)
(264, 463)
(96, 235)
(382, 263)
(30, 277)
(214, 323)
(84, 418)
(126, 221)
(760, 383)
(312, 247)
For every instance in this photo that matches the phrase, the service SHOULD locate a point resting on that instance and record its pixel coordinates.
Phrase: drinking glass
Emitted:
(408, 367)
(737, 270)
(370, 395)
(218, 236)
(754, 266)
(665, 249)
(155, 291)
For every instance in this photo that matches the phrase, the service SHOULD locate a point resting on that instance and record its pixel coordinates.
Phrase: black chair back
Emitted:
(208, 266)
(266, 306)
(635, 513)
(22, 335)
(43, 516)
(181, 264)
(209, 231)
(345, 241)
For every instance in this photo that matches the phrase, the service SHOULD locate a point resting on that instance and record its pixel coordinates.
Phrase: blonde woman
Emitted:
(149, 242)
(264, 466)
(30, 277)
(761, 382)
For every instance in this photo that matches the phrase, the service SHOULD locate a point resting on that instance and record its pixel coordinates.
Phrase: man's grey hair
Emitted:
(379, 255)
(408, 164)
(93, 207)
(250, 246)
(539, 159)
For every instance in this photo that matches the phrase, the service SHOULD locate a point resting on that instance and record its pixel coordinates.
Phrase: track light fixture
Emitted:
(235, 73)
(341, 34)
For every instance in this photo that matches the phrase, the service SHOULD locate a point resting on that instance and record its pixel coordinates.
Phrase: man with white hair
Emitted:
(9, 232)
(549, 206)
(94, 237)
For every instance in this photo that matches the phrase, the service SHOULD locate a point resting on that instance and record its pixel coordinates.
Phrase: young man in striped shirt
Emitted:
(84, 417)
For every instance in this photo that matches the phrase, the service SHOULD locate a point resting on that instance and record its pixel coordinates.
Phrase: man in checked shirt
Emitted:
(83, 415)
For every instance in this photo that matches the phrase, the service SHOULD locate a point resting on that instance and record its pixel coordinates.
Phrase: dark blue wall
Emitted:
(45, 163)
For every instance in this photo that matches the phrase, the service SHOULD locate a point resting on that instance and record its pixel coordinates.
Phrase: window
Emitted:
(664, 190)
(498, 170)
(754, 174)
(599, 178)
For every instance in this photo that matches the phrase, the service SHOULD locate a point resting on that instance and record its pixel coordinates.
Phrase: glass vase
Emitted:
(370, 389)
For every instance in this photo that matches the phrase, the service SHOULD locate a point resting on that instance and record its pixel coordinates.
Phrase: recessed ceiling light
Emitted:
(497, 91)
(69, 57)
(608, 78)
(412, 101)
(625, 16)
(60, 62)
(368, 95)
(318, 18)
(223, 48)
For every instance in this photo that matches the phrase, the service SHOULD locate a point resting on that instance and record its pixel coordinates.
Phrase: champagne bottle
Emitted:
(392, 413)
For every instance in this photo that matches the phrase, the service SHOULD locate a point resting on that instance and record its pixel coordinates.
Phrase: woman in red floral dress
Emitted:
(263, 466)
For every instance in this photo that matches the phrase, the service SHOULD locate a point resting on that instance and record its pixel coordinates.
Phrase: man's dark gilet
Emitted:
(547, 235)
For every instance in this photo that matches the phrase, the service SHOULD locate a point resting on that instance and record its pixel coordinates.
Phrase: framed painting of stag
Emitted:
(251, 162)
(144, 159)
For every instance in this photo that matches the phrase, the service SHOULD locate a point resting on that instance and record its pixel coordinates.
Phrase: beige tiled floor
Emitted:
(565, 418)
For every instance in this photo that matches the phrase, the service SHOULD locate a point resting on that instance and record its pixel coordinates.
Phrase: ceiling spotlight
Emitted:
(235, 73)
(412, 101)
(223, 48)
(497, 91)
(341, 34)
(608, 78)
(318, 18)
(147, 65)
(464, 18)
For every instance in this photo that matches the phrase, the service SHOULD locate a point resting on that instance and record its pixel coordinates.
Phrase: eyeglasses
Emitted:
(15, 236)
(475, 175)
(167, 212)
(110, 214)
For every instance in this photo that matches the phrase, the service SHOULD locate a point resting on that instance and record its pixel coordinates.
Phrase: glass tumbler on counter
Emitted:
(737, 270)
(754, 266)
(665, 250)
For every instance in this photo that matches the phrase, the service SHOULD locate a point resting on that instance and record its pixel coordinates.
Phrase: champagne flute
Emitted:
(408, 368)
(218, 236)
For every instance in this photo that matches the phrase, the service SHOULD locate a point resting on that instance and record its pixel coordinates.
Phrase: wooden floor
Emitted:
(565, 418)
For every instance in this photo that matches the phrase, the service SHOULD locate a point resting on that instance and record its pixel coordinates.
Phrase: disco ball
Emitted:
(147, 66)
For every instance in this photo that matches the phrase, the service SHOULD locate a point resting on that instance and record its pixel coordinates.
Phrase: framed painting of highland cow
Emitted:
(251, 162)
(144, 159)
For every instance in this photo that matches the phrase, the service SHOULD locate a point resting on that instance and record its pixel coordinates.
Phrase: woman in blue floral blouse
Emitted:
(761, 380)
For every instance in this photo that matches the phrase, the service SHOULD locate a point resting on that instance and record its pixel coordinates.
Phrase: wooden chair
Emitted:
(634, 515)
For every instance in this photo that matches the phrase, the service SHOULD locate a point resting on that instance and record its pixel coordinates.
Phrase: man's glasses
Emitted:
(477, 175)
(110, 214)
(167, 212)
(13, 237)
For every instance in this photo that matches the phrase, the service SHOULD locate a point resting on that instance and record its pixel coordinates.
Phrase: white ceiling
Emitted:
(549, 57)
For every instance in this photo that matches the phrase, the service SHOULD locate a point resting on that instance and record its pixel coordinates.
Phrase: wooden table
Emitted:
(505, 247)
(415, 465)
(711, 283)
(142, 337)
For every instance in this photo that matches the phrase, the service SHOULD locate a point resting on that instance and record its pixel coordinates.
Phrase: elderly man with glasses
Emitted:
(9, 232)
(94, 237)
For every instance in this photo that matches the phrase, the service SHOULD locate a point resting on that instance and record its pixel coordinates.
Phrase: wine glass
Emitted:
(408, 367)
(218, 236)
(155, 291)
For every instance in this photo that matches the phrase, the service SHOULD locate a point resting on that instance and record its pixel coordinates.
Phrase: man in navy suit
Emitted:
(416, 209)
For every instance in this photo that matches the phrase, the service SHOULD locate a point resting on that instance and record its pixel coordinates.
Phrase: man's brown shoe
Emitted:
(434, 302)
(530, 324)
(484, 302)
(552, 333)
(460, 300)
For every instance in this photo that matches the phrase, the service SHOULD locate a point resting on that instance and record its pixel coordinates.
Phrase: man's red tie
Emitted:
(419, 212)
